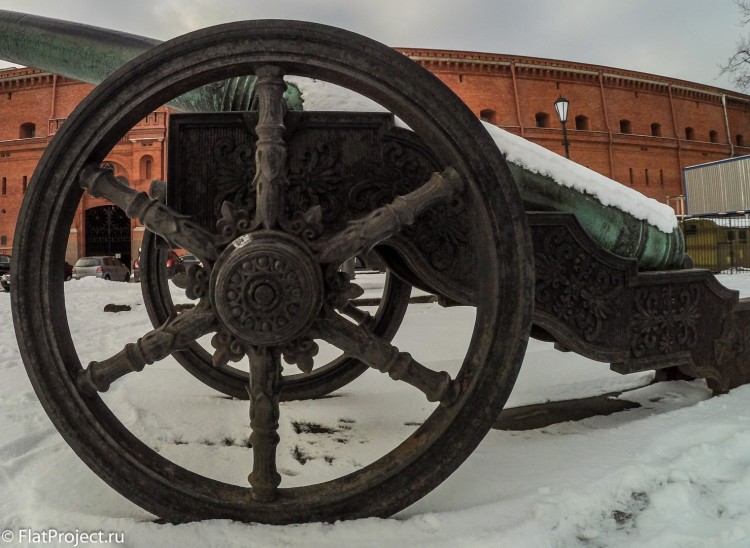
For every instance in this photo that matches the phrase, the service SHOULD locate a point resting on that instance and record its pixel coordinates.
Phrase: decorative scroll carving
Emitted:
(732, 348)
(316, 179)
(398, 171)
(339, 169)
(234, 221)
(665, 319)
(361, 235)
(234, 170)
(441, 233)
(301, 352)
(228, 348)
(195, 282)
(576, 288)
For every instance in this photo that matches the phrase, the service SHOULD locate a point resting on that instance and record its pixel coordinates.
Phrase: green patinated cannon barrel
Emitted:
(90, 54)
(613, 229)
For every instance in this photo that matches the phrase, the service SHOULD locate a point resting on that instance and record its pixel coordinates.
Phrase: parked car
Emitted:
(5, 272)
(172, 265)
(5, 278)
(107, 268)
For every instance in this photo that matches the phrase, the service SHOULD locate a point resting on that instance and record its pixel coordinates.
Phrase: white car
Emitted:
(107, 268)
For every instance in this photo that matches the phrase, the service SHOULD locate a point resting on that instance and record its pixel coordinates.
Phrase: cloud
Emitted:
(685, 39)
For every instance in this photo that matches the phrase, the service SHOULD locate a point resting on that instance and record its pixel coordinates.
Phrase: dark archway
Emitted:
(108, 233)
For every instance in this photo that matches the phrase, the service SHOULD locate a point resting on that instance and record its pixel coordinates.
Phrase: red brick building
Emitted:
(639, 129)
(33, 106)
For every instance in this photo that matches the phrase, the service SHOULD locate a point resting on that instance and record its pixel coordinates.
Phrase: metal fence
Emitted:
(719, 243)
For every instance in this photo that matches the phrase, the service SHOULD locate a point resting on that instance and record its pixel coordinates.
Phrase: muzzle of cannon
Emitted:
(90, 54)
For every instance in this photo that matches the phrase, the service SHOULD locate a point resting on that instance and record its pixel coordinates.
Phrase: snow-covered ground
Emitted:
(674, 472)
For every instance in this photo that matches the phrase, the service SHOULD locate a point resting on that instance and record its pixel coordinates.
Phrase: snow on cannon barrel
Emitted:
(612, 214)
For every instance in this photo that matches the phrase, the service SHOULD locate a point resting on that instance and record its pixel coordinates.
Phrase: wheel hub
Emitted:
(266, 288)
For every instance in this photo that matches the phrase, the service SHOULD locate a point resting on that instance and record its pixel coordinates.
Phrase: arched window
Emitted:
(116, 168)
(625, 126)
(713, 136)
(27, 131)
(488, 115)
(147, 164)
(689, 134)
(582, 122)
(542, 119)
(740, 140)
(656, 129)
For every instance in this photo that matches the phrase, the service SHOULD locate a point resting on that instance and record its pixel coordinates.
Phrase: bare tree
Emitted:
(738, 65)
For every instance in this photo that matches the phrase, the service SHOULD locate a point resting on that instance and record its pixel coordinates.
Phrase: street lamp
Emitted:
(561, 107)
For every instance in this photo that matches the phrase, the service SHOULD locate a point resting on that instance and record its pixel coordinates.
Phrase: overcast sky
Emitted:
(686, 39)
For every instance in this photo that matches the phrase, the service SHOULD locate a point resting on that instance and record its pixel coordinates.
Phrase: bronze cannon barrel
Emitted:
(90, 54)
(614, 229)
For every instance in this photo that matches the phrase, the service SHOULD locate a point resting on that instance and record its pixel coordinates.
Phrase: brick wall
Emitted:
(516, 88)
(29, 96)
(508, 91)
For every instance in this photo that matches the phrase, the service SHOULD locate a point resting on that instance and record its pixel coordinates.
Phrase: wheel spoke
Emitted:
(263, 388)
(358, 342)
(365, 233)
(270, 152)
(362, 317)
(157, 217)
(176, 333)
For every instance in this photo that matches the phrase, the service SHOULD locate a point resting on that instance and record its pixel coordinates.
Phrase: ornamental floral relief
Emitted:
(316, 179)
(234, 170)
(575, 287)
(665, 319)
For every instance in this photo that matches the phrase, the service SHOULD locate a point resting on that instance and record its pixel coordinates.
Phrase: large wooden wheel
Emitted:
(267, 290)
(320, 381)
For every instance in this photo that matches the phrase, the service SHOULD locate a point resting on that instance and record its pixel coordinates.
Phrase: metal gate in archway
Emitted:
(108, 233)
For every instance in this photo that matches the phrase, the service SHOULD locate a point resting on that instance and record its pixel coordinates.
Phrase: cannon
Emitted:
(280, 199)
(90, 54)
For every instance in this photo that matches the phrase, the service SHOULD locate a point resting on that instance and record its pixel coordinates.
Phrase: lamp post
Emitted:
(561, 107)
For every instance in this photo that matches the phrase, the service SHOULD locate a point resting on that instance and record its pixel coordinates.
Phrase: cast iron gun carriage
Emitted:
(283, 199)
